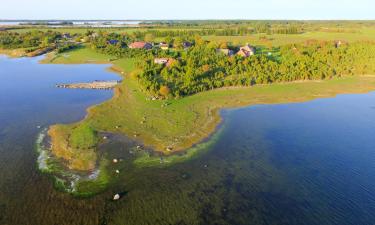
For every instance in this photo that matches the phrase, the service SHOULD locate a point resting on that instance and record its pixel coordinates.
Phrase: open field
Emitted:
(283, 39)
(174, 125)
(357, 33)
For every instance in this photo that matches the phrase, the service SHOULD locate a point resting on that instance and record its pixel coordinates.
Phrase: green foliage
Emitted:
(202, 69)
(83, 137)
(66, 47)
(13, 40)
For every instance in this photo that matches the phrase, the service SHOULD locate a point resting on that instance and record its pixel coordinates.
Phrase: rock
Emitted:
(117, 171)
(138, 147)
(38, 127)
(116, 197)
(169, 149)
(205, 166)
(105, 137)
(115, 160)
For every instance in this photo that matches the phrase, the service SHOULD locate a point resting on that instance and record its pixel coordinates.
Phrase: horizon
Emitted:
(185, 20)
(193, 10)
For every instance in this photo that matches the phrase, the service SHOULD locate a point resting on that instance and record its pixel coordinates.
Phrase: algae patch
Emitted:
(78, 183)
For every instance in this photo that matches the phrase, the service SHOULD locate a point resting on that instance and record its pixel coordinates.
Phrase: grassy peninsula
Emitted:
(177, 124)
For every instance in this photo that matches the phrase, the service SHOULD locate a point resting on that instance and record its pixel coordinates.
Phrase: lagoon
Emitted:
(301, 163)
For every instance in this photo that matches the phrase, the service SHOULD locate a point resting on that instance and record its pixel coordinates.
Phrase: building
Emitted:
(140, 45)
(164, 46)
(66, 36)
(187, 44)
(164, 61)
(246, 51)
(113, 42)
(161, 61)
(225, 51)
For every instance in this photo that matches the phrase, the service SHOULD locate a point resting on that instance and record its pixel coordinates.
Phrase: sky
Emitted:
(191, 9)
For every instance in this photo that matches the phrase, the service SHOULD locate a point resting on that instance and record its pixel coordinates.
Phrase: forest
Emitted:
(35, 38)
(200, 68)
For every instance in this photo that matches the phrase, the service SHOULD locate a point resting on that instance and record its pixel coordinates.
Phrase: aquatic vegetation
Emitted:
(78, 183)
(147, 159)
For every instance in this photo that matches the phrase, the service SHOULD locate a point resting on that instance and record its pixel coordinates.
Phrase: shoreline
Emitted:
(13, 53)
(212, 119)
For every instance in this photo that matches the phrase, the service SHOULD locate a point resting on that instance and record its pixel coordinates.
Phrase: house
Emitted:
(164, 46)
(94, 35)
(246, 51)
(187, 44)
(161, 61)
(140, 45)
(224, 51)
(164, 61)
(112, 42)
(66, 36)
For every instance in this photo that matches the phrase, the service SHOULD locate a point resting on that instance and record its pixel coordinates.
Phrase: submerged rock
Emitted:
(116, 197)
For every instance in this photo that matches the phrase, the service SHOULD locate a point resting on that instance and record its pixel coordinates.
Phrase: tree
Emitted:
(164, 91)
(223, 45)
(149, 38)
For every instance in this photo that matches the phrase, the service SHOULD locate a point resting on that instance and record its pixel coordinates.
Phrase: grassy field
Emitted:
(358, 33)
(174, 125)
(275, 40)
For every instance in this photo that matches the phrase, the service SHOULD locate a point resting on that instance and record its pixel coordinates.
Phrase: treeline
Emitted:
(239, 31)
(13, 40)
(201, 68)
(102, 44)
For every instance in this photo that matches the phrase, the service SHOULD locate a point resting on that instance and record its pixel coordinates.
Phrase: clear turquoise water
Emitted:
(305, 163)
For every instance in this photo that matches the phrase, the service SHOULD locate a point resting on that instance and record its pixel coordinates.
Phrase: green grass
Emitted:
(87, 188)
(83, 137)
(80, 55)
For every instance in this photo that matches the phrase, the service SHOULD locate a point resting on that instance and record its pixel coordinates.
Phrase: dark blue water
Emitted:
(317, 158)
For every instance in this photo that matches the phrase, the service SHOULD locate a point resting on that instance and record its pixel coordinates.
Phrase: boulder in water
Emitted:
(116, 197)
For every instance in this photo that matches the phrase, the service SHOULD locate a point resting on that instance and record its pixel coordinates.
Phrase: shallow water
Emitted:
(305, 163)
